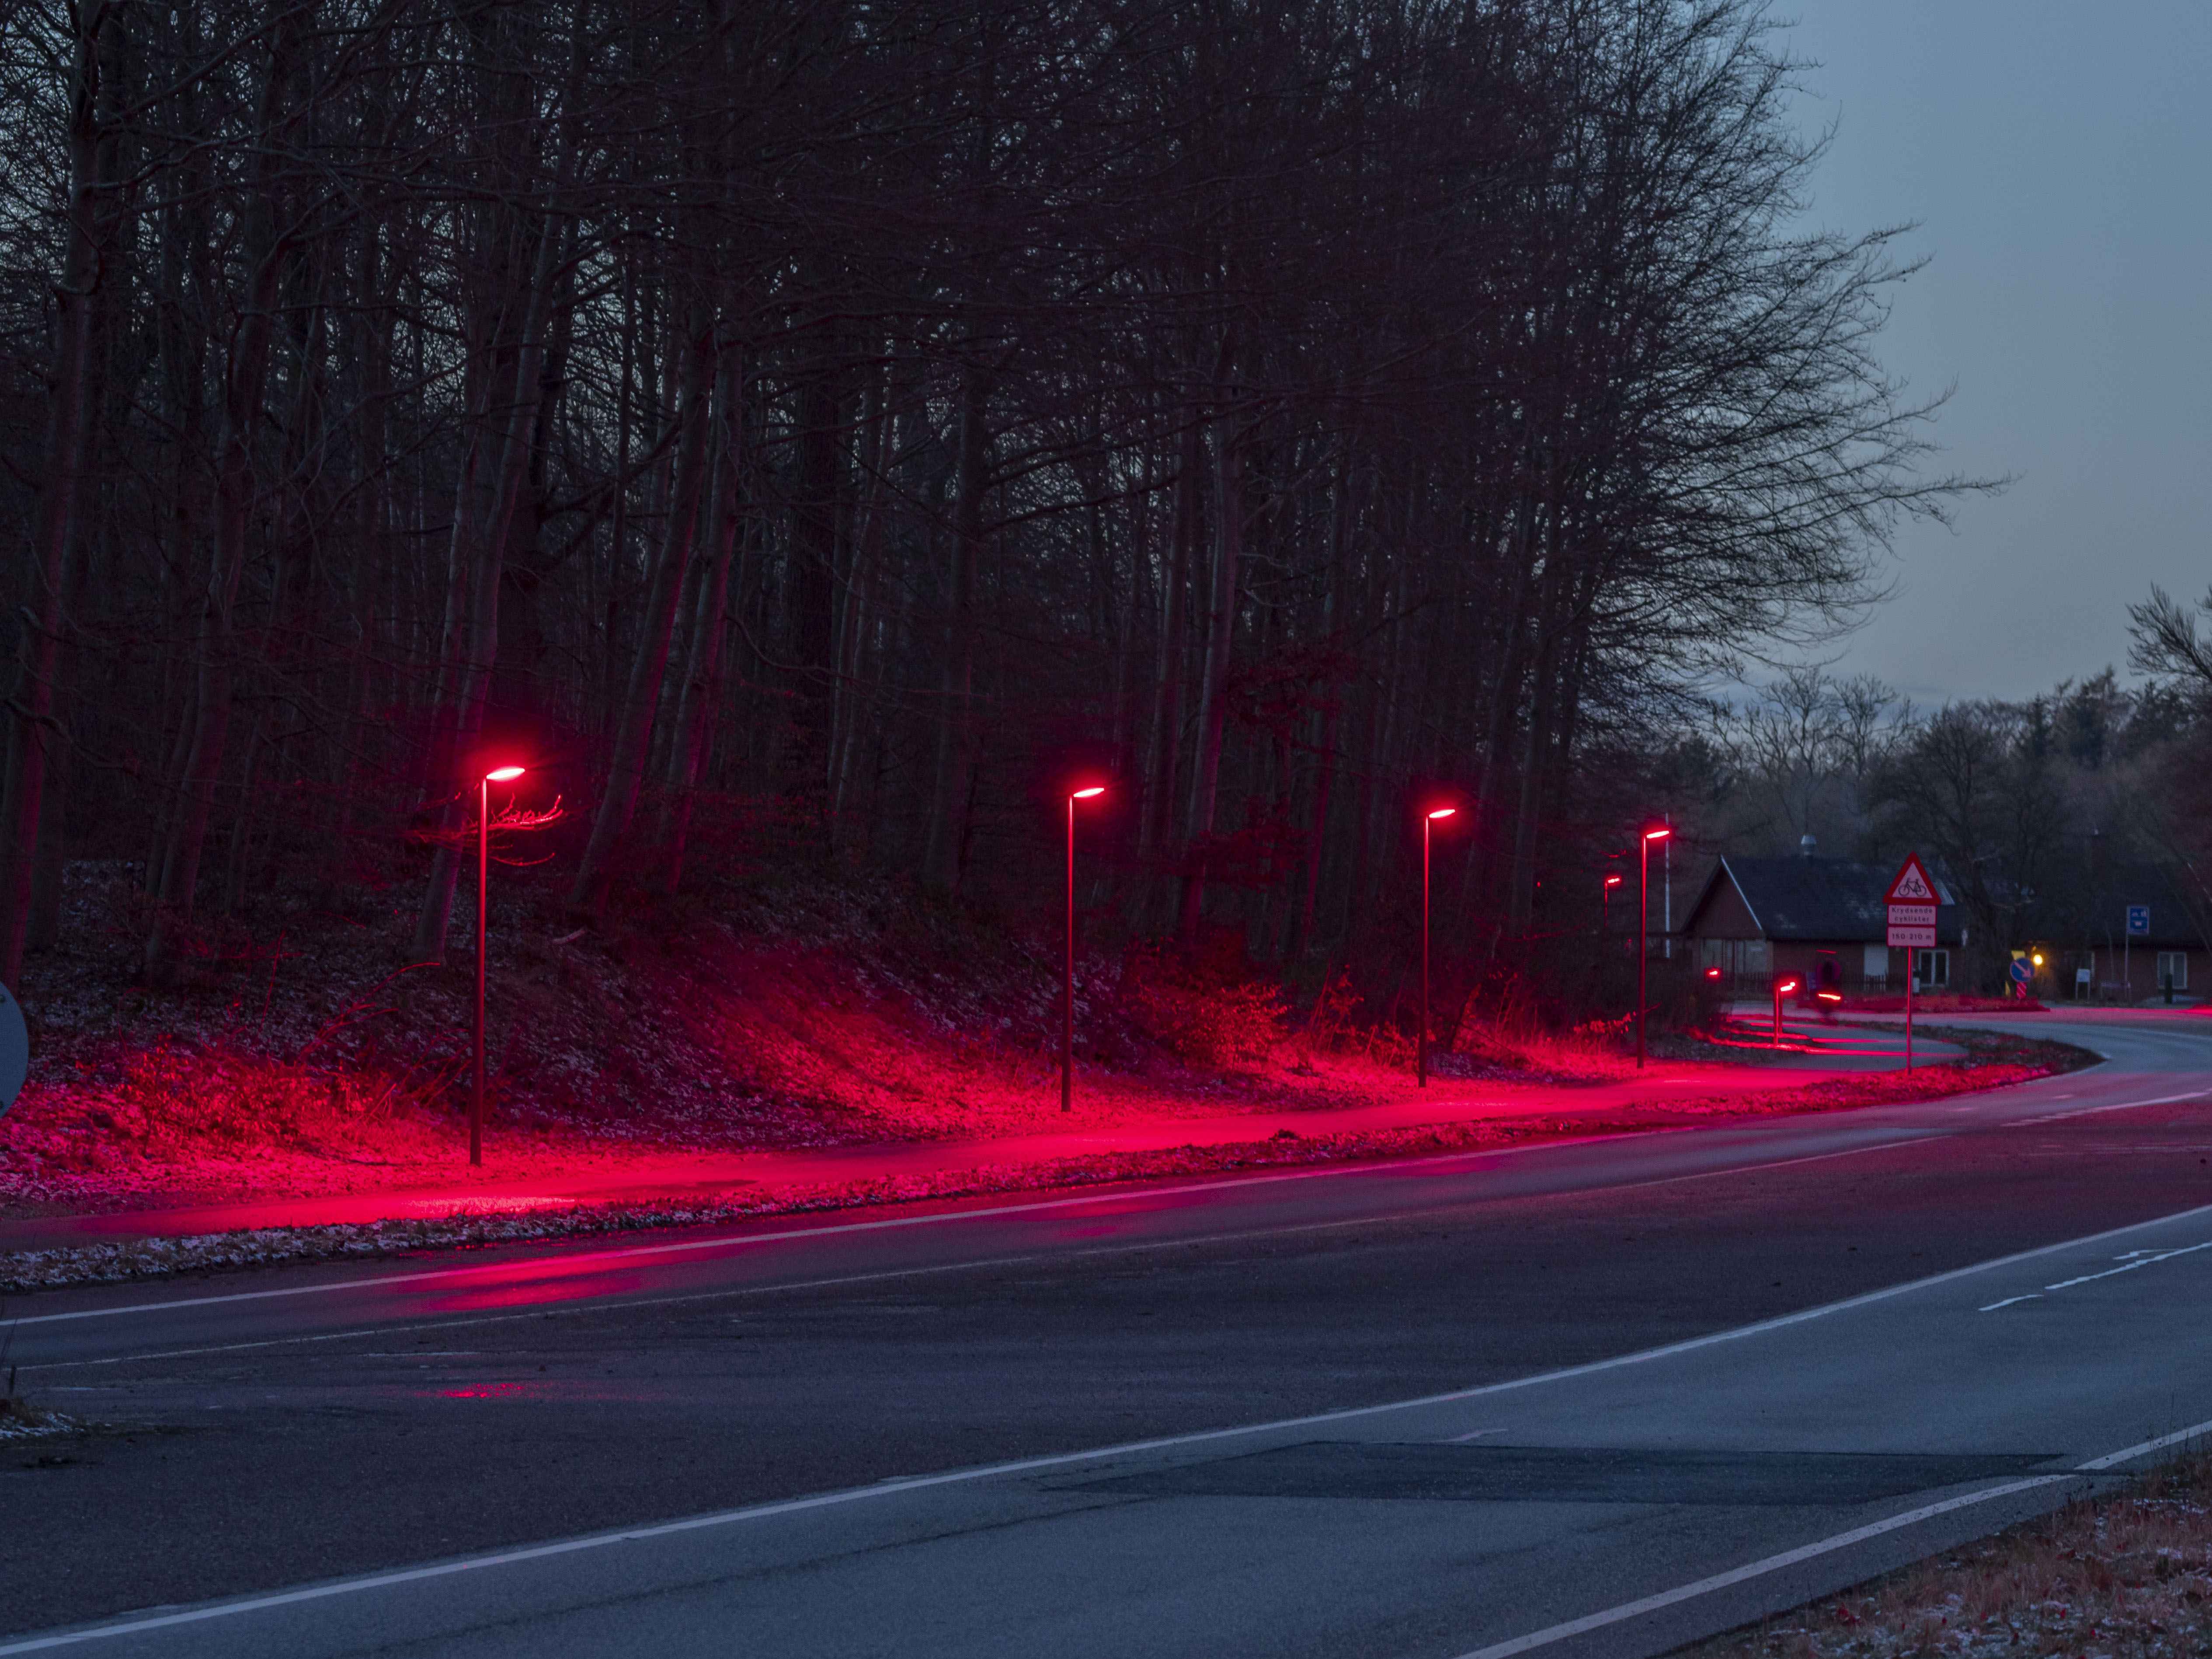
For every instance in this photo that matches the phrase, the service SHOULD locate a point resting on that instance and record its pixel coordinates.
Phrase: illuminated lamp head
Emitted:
(1712, 973)
(2037, 958)
(1086, 793)
(502, 775)
(1612, 881)
(1659, 834)
(1444, 813)
(1831, 996)
(1787, 985)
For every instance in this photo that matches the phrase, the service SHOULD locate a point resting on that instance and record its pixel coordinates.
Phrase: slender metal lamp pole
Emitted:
(1068, 966)
(497, 774)
(484, 868)
(1067, 980)
(1421, 1050)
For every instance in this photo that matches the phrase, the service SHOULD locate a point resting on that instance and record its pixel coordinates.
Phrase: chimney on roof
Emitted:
(1809, 846)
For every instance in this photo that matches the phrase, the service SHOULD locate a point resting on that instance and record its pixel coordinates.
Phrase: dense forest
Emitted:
(819, 432)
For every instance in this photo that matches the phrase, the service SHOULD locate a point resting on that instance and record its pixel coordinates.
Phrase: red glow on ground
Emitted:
(486, 1391)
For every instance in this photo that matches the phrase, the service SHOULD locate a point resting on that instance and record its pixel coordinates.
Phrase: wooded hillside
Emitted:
(819, 429)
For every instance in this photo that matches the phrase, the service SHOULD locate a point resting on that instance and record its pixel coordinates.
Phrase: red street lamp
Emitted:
(1605, 902)
(1067, 975)
(497, 774)
(1421, 1048)
(1644, 926)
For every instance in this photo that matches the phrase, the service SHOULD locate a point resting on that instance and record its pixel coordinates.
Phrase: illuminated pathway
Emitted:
(1657, 1385)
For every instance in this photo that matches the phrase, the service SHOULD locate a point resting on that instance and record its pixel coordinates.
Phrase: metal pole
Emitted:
(1642, 936)
(1421, 1047)
(1067, 980)
(1908, 1008)
(1778, 1013)
(1666, 882)
(483, 868)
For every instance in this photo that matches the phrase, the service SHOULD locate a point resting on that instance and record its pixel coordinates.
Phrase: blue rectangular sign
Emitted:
(2138, 920)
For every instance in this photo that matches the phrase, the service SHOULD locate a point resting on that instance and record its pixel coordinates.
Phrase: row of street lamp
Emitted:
(1430, 819)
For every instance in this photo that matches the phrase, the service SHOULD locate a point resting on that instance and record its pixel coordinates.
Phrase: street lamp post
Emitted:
(1783, 987)
(1605, 904)
(1068, 973)
(1643, 927)
(1421, 1048)
(497, 774)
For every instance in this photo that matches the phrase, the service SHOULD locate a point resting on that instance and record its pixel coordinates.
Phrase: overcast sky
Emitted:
(2058, 157)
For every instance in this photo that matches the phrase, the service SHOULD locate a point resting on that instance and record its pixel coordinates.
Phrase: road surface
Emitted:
(1596, 1398)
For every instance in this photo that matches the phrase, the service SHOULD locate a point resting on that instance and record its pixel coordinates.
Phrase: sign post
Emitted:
(1911, 901)
(2138, 927)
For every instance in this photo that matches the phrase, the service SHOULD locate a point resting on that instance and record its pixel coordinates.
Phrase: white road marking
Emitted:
(2141, 1259)
(1627, 1610)
(725, 1242)
(594, 1258)
(1462, 1439)
(2116, 1106)
(2033, 1295)
(1167, 1443)
(609, 1304)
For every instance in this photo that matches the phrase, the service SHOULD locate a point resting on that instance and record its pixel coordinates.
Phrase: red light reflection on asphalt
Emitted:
(538, 1290)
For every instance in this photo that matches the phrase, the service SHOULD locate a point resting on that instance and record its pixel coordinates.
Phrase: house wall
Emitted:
(2117, 976)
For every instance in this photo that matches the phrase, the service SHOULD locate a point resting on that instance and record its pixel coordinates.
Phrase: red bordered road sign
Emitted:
(1913, 885)
(1911, 901)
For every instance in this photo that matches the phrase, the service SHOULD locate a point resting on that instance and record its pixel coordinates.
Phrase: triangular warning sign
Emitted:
(1913, 885)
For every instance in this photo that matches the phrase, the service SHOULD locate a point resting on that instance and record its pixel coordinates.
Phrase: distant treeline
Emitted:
(812, 428)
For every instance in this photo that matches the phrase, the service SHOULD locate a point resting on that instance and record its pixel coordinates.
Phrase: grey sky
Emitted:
(2057, 154)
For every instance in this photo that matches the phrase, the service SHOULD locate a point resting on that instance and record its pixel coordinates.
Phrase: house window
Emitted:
(1876, 971)
(2174, 970)
(1931, 968)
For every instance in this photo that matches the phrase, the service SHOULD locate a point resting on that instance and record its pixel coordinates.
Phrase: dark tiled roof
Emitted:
(2164, 890)
(1826, 899)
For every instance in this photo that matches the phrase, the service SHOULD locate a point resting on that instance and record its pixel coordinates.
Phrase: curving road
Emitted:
(1592, 1398)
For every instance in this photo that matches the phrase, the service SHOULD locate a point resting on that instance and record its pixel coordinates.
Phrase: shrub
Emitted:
(1209, 1017)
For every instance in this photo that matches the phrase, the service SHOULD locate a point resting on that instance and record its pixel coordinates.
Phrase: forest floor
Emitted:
(301, 1093)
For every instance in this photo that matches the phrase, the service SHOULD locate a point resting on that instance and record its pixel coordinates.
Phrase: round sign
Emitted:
(2021, 971)
(14, 1050)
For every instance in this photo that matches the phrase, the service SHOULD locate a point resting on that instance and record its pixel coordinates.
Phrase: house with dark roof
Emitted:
(2097, 959)
(1820, 920)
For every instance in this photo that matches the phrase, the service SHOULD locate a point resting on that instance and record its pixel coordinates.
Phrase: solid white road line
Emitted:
(1167, 1443)
(565, 1265)
(1627, 1610)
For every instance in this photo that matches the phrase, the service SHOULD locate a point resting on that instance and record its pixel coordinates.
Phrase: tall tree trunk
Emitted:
(634, 730)
(244, 382)
(54, 532)
(703, 690)
(1213, 688)
(958, 729)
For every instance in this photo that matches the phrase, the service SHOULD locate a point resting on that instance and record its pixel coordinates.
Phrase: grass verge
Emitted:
(2001, 1060)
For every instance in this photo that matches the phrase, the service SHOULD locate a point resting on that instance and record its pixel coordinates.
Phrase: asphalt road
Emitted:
(921, 1434)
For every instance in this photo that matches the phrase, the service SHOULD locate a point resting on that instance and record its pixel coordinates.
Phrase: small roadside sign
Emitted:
(1913, 885)
(14, 1050)
(1911, 901)
(2138, 920)
(2021, 973)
